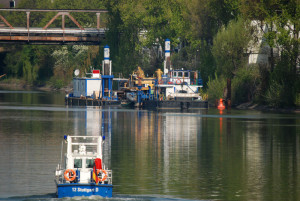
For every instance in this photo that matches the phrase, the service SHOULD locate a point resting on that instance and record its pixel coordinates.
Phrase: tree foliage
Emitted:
(230, 47)
(282, 19)
(211, 36)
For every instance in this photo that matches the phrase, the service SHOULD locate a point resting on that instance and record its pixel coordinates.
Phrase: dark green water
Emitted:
(167, 155)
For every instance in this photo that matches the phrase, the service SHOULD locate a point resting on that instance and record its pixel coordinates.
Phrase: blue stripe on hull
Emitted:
(71, 190)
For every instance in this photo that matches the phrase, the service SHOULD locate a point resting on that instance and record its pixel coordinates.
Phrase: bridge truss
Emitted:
(56, 35)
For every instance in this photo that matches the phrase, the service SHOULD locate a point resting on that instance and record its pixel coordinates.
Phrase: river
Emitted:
(154, 155)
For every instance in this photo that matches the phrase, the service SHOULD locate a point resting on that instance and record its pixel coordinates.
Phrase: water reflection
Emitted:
(95, 122)
(237, 155)
(272, 158)
(158, 153)
(32, 98)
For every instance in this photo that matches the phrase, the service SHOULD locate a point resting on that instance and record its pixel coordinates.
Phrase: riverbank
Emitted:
(16, 84)
(254, 106)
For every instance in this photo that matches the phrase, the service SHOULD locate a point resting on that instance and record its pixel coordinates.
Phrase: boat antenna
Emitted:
(61, 152)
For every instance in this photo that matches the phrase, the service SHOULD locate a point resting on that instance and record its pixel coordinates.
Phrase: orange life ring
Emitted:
(178, 81)
(69, 172)
(100, 178)
(160, 82)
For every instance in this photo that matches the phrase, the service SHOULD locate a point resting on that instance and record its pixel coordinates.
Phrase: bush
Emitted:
(283, 84)
(244, 84)
(203, 94)
(274, 94)
(57, 83)
(215, 88)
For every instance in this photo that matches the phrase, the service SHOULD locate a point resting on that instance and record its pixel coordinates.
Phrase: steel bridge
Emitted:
(56, 35)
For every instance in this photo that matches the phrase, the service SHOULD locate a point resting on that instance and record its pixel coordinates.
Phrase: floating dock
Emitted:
(75, 101)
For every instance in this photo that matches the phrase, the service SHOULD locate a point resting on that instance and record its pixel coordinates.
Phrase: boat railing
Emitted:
(179, 80)
(60, 177)
(108, 180)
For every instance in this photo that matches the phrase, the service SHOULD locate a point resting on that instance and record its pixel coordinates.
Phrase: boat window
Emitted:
(89, 163)
(174, 74)
(77, 163)
(179, 74)
(186, 74)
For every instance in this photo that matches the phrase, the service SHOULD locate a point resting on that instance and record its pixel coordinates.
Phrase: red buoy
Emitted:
(221, 105)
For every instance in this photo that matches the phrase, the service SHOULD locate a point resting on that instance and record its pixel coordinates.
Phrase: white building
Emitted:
(260, 51)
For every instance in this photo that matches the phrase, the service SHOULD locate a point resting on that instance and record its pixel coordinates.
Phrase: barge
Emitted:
(169, 89)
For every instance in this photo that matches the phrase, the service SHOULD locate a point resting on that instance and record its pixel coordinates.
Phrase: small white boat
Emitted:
(83, 173)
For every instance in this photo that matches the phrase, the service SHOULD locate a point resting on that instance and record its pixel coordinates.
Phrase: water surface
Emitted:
(154, 155)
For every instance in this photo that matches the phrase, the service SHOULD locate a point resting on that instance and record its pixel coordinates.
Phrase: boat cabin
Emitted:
(180, 84)
(180, 76)
(82, 153)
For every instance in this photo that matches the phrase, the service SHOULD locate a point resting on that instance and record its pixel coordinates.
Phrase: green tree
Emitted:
(245, 84)
(29, 63)
(205, 17)
(215, 88)
(138, 24)
(230, 47)
(13, 65)
(69, 58)
(206, 62)
(283, 25)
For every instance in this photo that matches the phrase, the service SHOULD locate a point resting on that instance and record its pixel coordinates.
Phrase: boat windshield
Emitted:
(89, 163)
(77, 163)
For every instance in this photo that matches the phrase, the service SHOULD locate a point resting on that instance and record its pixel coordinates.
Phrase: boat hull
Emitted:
(175, 104)
(72, 190)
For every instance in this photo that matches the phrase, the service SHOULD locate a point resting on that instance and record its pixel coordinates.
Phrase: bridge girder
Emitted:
(45, 35)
